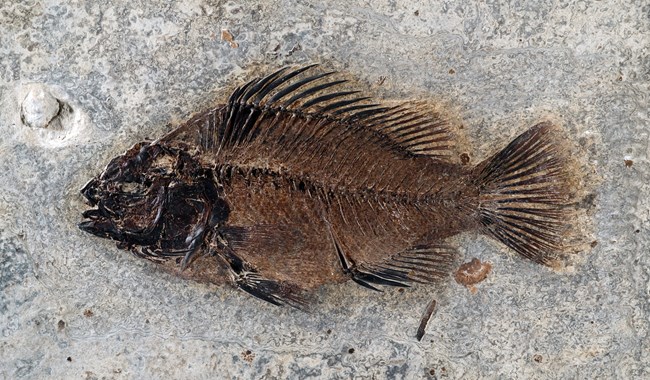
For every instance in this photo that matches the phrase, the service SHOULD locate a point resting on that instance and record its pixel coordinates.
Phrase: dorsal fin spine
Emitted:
(259, 97)
(326, 97)
(294, 87)
(343, 103)
(354, 108)
(259, 86)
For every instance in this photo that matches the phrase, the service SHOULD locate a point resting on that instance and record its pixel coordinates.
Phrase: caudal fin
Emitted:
(525, 191)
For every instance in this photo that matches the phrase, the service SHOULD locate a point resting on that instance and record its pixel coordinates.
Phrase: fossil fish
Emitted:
(297, 182)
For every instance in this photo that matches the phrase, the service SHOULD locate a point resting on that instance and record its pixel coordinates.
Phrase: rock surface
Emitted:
(74, 306)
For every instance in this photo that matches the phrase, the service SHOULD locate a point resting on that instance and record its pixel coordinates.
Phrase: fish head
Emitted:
(155, 197)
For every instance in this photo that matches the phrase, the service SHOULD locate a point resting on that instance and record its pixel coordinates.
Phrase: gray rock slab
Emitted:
(109, 74)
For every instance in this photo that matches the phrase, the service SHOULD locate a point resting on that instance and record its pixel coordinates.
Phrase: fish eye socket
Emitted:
(132, 187)
(158, 171)
(163, 164)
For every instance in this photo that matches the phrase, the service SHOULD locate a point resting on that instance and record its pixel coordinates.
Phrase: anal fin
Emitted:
(350, 268)
(421, 264)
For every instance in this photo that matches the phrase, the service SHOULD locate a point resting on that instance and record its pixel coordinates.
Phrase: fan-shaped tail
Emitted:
(526, 191)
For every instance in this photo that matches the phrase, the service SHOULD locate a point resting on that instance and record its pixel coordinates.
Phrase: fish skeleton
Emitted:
(298, 181)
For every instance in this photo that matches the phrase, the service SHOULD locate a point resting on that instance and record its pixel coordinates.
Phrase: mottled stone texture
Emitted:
(74, 306)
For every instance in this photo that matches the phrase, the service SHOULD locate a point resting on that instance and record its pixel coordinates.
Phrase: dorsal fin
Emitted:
(409, 128)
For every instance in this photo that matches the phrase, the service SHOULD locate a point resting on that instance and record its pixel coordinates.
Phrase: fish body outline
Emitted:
(295, 183)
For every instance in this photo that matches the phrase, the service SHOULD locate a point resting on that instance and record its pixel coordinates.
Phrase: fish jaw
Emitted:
(100, 225)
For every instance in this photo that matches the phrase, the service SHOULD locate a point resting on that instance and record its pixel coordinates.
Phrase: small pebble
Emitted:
(39, 108)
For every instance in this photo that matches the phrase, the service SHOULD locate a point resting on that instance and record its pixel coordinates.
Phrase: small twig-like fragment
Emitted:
(428, 312)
